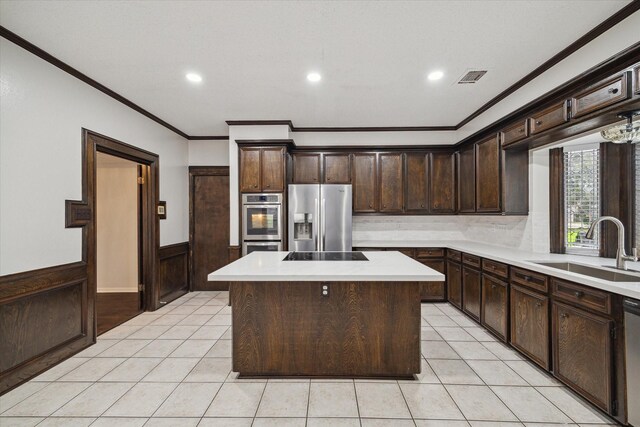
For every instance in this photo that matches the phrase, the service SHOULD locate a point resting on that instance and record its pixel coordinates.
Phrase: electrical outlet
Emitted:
(324, 290)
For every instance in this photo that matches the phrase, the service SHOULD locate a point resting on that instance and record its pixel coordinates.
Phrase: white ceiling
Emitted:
(254, 55)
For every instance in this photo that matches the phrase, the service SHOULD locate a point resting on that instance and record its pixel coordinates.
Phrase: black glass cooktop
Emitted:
(325, 256)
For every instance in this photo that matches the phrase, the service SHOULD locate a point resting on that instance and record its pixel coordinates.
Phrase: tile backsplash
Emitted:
(510, 231)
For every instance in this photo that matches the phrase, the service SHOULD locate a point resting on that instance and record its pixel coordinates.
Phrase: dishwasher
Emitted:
(632, 344)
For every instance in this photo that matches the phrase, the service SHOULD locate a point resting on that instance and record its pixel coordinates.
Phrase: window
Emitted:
(581, 198)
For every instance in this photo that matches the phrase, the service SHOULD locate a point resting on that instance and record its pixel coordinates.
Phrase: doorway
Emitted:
(118, 241)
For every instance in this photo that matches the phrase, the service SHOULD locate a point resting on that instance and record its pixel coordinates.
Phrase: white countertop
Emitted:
(382, 267)
(526, 260)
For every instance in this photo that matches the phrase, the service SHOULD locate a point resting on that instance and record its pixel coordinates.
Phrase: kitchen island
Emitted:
(326, 318)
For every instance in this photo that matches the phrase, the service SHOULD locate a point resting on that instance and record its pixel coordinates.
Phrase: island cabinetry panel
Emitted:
(432, 258)
(391, 182)
(337, 169)
(454, 283)
(530, 324)
(365, 180)
(467, 179)
(471, 292)
(361, 329)
(488, 175)
(582, 350)
(416, 183)
(442, 183)
(306, 168)
(495, 306)
(262, 169)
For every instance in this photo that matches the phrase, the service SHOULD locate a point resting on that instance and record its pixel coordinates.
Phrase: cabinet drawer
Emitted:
(531, 280)
(549, 118)
(514, 133)
(583, 296)
(636, 79)
(429, 253)
(471, 260)
(454, 255)
(496, 268)
(600, 95)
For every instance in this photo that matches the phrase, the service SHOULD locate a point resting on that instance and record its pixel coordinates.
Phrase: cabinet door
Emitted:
(364, 183)
(530, 324)
(488, 175)
(250, 170)
(337, 169)
(582, 352)
(272, 166)
(442, 183)
(467, 179)
(433, 291)
(471, 294)
(306, 168)
(495, 305)
(416, 173)
(391, 179)
(454, 283)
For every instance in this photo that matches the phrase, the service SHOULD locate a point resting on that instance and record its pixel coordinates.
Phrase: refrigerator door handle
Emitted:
(317, 223)
(323, 216)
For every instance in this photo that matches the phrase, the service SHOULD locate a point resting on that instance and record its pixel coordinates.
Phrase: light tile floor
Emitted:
(172, 367)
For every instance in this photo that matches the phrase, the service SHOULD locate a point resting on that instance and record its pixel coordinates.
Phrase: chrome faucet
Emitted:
(621, 256)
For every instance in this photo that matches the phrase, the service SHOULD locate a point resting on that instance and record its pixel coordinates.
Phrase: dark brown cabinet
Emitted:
(495, 305)
(514, 133)
(442, 183)
(488, 175)
(416, 180)
(454, 283)
(365, 189)
(467, 179)
(582, 352)
(601, 95)
(530, 324)
(306, 168)
(262, 169)
(337, 169)
(549, 118)
(471, 293)
(391, 182)
(433, 291)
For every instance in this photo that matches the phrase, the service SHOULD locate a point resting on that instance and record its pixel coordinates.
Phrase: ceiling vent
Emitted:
(472, 76)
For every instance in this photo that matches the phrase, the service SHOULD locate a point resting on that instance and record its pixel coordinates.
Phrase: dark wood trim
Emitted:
(369, 148)
(289, 143)
(207, 137)
(30, 47)
(76, 213)
(208, 170)
(235, 252)
(600, 29)
(34, 290)
(556, 201)
(173, 250)
(376, 129)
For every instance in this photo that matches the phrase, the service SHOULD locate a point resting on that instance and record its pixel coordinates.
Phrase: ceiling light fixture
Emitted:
(435, 75)
(314, 77)
(627, 133)
(194, 78)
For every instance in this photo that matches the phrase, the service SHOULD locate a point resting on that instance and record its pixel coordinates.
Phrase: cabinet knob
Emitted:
(255, 185)
(268, 185)
(422, 205)
(538, 122)
(578, 294)
(384, 206)
(493, 286)
(328, 179)
(370, 205)
(521, 130)
(564, 315)
(613, 90)
(527, 278)
(538, 304)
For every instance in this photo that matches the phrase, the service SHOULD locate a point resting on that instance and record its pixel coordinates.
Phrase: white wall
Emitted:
(209, 153)
(238, 133)
(117, 224)
(42, 112)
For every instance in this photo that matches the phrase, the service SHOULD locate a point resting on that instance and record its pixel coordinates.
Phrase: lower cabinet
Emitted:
(530, 324)
(495, 305)
(454, 283)
(433, 291)
(582, 352)
(471, 292)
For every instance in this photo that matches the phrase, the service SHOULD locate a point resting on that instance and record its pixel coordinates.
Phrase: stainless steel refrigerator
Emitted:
(319, 217)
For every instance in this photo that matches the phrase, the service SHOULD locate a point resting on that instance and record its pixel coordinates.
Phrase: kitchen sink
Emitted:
(599, 273)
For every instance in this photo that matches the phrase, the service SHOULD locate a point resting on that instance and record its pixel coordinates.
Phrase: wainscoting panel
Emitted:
(174, 272)
(43, 320)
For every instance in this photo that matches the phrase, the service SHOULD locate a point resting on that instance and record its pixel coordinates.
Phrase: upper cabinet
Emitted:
(442, 182)
(391, 182)
(364, 179)
(337, 168)
(306, 168)
(321, 168)
(416, 182)
(600, 95)
(488, 175)
(262, 169)
(467, 179)
(514, 133)
(549, 118)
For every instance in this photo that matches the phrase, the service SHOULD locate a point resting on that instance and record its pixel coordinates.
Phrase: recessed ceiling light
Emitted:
(194, 78)
(314, 77)
(435, 75)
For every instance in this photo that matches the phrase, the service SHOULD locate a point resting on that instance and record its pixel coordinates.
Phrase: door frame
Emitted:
(92, 143)
(195, 171)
